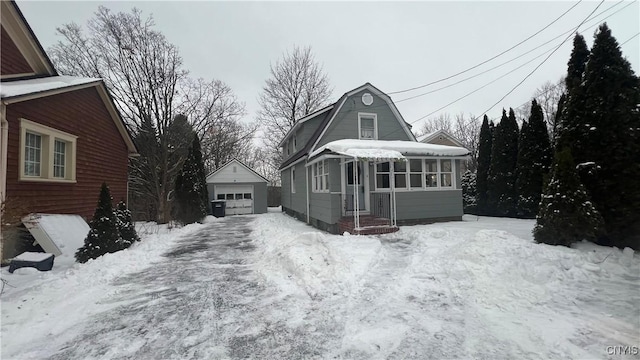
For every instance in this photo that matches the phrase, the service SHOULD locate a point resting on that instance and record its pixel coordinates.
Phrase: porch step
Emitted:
(369, 225)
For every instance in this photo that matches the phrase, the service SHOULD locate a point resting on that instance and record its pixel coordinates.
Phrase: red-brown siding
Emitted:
(101, 153)
(11, 59)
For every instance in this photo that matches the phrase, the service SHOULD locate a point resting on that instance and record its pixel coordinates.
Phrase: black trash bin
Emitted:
(218, 207)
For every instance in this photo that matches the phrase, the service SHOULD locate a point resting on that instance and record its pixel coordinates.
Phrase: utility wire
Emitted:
(543, 61)
(523, 54)
(492, 58)
(629, 39)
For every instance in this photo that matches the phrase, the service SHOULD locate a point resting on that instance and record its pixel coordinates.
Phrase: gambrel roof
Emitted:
(329, 116)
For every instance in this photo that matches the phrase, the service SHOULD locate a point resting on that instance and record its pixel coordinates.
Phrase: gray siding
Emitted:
(327, 206)
(259, 195)
(296, 201)
(345, 124)
(428, 204)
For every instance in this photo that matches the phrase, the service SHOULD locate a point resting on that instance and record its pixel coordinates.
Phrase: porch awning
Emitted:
(388, 150)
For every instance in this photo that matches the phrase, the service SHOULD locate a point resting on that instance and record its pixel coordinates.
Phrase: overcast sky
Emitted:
(393, 45)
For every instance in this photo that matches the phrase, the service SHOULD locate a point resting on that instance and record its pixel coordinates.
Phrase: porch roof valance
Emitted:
(387, 150)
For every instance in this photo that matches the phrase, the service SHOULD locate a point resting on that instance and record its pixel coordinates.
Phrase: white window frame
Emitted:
(293, 179)
(375, 125)
(48, 136)
(407, 173)
(295, 142)
(320, 177)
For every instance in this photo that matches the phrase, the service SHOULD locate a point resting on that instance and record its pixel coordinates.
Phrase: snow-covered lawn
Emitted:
(477, 289)
(480, 288)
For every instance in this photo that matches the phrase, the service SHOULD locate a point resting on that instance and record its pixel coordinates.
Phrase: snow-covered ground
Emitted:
(268, 286)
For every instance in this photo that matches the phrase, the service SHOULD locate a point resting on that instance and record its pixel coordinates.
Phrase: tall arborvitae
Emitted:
(469, 192)
(566, 214)
(558, 119)
(484, 162)
(534, 159)
(124, 224)
(191, 188)
(502, 173)
(103, 233)
(573, 130)
(612, 120)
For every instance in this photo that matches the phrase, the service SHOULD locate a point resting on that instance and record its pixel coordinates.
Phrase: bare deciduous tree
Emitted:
(145, 76)
(547, 96)
(297, 87)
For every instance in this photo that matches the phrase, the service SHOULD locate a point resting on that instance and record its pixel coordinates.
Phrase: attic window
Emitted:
(367, 126)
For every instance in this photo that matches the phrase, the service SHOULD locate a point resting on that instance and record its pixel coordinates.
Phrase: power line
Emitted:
(525, 53)
(492, 58)
(543, 61)
(629, 39)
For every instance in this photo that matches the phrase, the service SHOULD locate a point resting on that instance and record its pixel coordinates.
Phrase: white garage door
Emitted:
(239, 198)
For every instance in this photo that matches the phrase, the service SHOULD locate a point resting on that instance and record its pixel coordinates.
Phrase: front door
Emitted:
(359, 178)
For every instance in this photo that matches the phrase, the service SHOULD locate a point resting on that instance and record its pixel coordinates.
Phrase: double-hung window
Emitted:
(431, 173)
(46, 154)
(367, 126)
(320, 176)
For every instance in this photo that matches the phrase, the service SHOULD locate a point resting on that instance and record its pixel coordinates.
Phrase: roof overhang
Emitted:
(22, 35)
(303, 120)
(25, 90)
(378, 150)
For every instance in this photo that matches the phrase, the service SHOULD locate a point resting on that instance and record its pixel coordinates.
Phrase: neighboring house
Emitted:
(61, 135)
(243, 189)
(362, 145)
(441, 137)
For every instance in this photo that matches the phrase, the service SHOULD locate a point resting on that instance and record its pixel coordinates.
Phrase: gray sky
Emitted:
(393, 45)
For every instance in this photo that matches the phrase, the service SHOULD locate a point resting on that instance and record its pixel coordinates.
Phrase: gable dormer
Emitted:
(21, 54)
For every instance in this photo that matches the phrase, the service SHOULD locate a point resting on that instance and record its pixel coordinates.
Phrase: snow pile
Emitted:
(379, 149)
(33, 302)
(30, 86)
(293, 254)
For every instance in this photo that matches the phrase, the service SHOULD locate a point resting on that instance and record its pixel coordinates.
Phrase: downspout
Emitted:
(4, 136)
(306, 173)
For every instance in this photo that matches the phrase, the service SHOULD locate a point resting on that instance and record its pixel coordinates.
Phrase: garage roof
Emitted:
(235, 172)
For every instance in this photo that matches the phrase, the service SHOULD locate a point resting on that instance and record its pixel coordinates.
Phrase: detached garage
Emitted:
(243, 189)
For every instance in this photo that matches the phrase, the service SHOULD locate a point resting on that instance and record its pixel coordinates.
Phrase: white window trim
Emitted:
(324, 186)
(49, 135)
(293, 179)
(407, 173)
(375, 124)
(295, 142)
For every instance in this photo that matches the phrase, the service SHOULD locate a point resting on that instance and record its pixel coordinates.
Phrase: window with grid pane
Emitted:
(320, 176)
(382, 175)
(400, 174)
(415, 173)
(431, 173)
(32, 154)
(446, 173)
(59, 158)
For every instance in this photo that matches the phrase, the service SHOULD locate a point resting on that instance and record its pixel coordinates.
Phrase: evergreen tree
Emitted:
(566, 213)
(191, 189)
(484, 162)
(611, 127)
(502, 172)
(534, 159)
(469, 192)
(573, 131)
(103, 234)
(124, 224)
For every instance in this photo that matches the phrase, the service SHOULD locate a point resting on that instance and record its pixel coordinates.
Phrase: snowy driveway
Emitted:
(271, 287)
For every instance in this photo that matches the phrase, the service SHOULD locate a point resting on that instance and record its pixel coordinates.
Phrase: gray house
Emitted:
(243, 189)
(356, 166)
